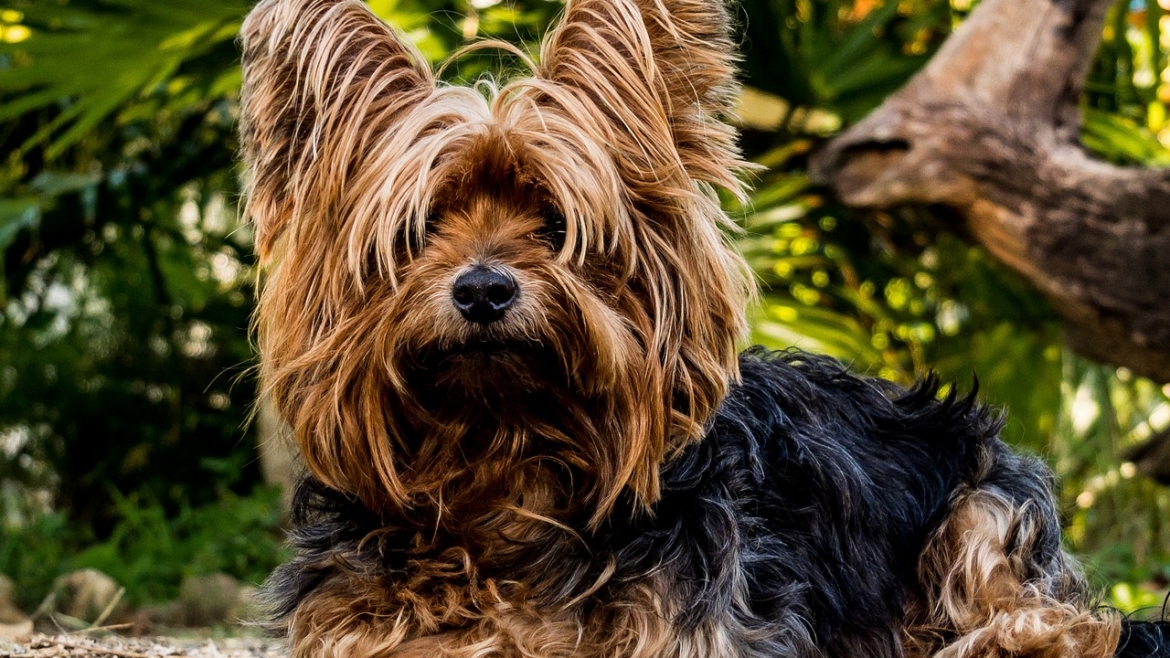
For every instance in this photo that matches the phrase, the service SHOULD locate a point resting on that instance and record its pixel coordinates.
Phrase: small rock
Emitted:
(9, 613)
(86, 594)
(210, 600)
(148, 617)
(204, 601)
(15, 631)
(13, 623)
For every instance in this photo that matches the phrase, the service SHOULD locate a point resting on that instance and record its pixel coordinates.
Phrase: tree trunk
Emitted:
(990, 129)
(278, 453)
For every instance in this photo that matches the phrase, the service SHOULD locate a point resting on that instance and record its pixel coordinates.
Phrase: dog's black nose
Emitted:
(483, 295)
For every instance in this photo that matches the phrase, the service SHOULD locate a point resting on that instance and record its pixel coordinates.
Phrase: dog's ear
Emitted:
(323, 79)
(661, 74)
(652, 81)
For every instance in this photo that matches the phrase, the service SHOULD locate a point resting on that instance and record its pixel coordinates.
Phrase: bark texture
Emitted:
(990, 129)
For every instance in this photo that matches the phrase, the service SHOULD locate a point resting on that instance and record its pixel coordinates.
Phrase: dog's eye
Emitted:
(553, 232)
(408, 243)
(430, 226)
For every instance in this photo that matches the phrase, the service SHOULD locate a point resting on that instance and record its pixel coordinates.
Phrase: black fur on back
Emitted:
(798, 521)
(1144, 639)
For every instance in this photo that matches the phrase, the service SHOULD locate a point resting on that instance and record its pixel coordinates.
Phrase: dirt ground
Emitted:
(83, 646)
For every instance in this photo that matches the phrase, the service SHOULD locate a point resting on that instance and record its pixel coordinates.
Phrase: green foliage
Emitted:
(150, 550)
(37, 553)
(1116, 515)
(842, 55)
(122, 338)
(128, 50)
(1122, 140)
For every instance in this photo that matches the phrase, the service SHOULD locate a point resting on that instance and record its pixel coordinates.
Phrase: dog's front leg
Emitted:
(996, 581)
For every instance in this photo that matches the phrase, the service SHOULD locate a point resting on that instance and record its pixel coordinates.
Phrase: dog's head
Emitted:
(463, 285)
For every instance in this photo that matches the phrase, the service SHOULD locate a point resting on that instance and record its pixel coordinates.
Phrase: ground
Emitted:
(79, 645)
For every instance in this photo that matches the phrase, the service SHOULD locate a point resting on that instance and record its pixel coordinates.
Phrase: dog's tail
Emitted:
(1144, 639)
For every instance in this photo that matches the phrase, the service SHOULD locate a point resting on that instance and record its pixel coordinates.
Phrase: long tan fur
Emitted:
(354, 153)
(987, 595)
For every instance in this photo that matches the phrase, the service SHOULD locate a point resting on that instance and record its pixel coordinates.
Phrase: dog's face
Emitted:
(468, 287)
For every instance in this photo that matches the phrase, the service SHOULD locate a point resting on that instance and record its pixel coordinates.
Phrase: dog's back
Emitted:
(1144, 639)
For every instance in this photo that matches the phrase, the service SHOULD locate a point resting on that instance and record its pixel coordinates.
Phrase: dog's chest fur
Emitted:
(792, 529)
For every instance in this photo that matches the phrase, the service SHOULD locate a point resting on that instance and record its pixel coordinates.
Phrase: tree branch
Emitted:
(990, 129)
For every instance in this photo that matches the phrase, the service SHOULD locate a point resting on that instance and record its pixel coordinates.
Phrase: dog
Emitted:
(503, 321)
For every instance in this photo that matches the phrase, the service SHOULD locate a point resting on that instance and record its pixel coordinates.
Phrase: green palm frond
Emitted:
(84, 60)
(840, 55)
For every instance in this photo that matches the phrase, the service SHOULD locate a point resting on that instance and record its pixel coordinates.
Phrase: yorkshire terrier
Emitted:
(503, 324)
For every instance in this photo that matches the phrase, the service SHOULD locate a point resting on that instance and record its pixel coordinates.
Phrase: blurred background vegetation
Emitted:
(127, 276)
